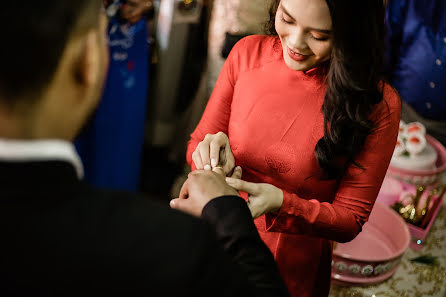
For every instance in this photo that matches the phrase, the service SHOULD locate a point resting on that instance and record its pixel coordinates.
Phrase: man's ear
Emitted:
(87, 65)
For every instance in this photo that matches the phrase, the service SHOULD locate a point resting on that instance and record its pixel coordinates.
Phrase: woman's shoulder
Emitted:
(390, 105)
(391, 96)
(264, 42)
(255, 50)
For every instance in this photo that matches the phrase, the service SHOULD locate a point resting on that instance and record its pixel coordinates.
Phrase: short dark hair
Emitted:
(34, 36)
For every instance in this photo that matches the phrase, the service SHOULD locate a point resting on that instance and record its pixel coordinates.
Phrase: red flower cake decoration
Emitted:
(415, 143)
(416, 127)
(411, 139)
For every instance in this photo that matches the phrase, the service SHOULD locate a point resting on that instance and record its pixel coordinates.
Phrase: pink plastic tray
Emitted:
(390, 193)
(398, 180)
(419, 234)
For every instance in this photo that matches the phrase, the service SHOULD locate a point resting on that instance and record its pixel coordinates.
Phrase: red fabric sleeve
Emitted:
(343, 219)
(216, 115)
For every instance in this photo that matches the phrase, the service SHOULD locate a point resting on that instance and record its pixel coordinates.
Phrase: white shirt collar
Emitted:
(40, 150)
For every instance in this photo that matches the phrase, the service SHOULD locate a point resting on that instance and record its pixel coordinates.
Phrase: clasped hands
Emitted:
(216, 175)
(134, 10)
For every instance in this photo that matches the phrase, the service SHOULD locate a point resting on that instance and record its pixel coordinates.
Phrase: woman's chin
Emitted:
(297, 66)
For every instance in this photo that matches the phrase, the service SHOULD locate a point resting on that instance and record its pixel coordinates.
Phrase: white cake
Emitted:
(425, 160)
(412, 152)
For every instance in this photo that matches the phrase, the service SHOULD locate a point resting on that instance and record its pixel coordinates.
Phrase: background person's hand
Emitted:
(200, 188)
(207, 155)
(134, 10)
(262, 198)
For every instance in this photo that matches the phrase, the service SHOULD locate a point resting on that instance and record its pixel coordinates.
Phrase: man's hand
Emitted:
(201, 187)
(262, 199)
(134, 10)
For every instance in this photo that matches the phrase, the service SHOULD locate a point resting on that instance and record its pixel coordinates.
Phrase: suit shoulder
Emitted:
(135, 209)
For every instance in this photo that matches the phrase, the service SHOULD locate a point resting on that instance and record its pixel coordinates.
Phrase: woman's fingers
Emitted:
(203, 148)
(215, 148)
(214, 151)
(254, 209)
(230, 161)
(219, 170)
(237, 174)
(238, 184)
(196, 157)
(134, 10)
(218, 143)
(137, 14)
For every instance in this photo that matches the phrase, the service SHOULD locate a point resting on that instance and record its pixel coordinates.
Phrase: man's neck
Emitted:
(30, 123)
(13, 128)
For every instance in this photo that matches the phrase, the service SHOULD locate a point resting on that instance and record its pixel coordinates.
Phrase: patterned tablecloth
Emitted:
(411, 279)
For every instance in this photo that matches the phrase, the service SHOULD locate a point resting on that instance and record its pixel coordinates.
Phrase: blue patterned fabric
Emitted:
(111, 144)
(417, 54)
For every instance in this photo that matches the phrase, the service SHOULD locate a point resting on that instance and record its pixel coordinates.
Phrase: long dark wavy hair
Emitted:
(354, 80)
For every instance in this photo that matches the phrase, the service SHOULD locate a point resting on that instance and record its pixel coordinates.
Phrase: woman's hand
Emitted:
(262, 199)
(134, 10)
(214, 151)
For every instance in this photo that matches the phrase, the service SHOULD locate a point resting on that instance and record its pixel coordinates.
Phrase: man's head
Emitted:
(53, 61)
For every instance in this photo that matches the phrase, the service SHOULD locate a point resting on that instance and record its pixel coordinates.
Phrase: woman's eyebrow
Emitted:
(325, 31)
(286, 12)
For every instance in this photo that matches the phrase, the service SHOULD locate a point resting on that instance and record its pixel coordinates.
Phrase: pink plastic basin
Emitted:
(375, 253)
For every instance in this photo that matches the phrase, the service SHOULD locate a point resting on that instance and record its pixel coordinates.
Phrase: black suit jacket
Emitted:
(60, 237)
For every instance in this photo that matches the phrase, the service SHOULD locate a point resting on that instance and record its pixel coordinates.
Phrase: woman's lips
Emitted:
(296, 56)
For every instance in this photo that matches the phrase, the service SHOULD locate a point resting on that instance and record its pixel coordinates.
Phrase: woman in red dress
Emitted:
(305, 114)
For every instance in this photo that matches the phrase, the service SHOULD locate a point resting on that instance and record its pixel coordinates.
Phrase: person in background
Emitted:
(62, 237)
(111, 144)
(306, 115)
(416, 61)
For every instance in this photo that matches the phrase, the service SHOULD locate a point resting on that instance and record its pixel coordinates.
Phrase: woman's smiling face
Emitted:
(304, 28)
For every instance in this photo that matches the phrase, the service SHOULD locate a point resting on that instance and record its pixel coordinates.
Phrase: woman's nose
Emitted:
(296, 39)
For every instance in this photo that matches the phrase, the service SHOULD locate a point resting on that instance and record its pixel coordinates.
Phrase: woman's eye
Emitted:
(319, 38)
(285, 20)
